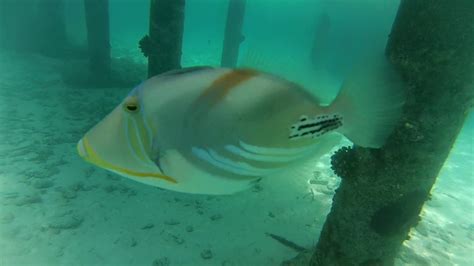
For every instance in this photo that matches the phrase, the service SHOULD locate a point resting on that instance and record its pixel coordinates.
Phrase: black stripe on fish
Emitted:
(316, 126)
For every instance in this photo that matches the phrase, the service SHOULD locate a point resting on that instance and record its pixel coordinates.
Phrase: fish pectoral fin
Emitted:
(193, 178)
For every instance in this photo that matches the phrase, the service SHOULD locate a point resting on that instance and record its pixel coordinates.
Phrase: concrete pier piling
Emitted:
(320, 46)
(163, 45)
(383, 191)
(97, 22)
(233, 36)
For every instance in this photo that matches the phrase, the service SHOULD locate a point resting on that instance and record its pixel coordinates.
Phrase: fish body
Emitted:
(212, 130)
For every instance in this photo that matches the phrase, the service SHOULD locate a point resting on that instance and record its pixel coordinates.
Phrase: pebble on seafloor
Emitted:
(43, 183)
(89, 171)
(59, 251)
(172, 222)
(69, 194)
(80, 186)
(7, 218)
(177, 239)
(257, 188)
(28, 199)
(206, 254)
(133, 242)
(189, 228)
(148, 226)
(216, 217)
(163, 261)
(68, 220)
(110, 188)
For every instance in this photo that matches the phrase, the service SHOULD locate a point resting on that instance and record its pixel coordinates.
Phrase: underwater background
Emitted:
(55, 209)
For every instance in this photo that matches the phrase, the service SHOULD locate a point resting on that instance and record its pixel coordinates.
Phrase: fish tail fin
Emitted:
(370, 102)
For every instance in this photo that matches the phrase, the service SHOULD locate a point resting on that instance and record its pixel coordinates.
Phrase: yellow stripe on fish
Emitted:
(93, 157)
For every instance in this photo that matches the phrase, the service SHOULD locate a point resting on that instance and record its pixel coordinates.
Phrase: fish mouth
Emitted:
(81, 149)
(85, 150)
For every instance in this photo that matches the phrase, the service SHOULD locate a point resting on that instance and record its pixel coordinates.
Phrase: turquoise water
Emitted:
(55, 209)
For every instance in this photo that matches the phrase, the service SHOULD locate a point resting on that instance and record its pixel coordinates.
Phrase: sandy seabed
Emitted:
(56, 209)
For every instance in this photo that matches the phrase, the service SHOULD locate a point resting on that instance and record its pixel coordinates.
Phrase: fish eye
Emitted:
(132, 107)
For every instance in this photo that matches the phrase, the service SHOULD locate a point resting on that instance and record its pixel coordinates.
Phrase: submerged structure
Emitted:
(233, 36)
(319, 50)
(40, 28)
(383, 191)
(164, 43)
(98, 32)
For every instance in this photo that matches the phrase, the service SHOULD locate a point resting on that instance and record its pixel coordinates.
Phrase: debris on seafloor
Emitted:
(163, 261)
(206, 254)
(286, 242)
(148, 226)
(216, 217)
(172, 222)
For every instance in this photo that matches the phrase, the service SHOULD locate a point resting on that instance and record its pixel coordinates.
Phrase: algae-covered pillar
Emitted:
(320, 42)
(5, 23)
(233, 33)
(50, 28)
(164, 43)
(97, 22)
(382, 191)
(34, 26)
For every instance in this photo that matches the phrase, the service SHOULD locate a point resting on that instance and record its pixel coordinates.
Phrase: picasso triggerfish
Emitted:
(218, 130)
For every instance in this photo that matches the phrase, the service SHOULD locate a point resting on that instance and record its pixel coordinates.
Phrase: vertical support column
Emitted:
(320, 42)
(164, 44)
(50, 28)
(97, 22)
(382, 191)
(4, 21)
(33, 26)
(233, 33)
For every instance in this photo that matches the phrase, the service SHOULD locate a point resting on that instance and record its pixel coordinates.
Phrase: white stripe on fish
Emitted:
(219, 161)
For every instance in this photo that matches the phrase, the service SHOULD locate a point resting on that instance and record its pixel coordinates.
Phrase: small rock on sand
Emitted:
(206, 254)
(68, 221)
(28, 199)
(172, 222)
(164, 261)
(7, 218)
(148, 226)
(43, 183)
(69, 194)
(216, 217)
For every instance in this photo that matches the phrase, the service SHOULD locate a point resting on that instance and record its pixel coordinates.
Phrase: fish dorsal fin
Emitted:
(186, 70)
